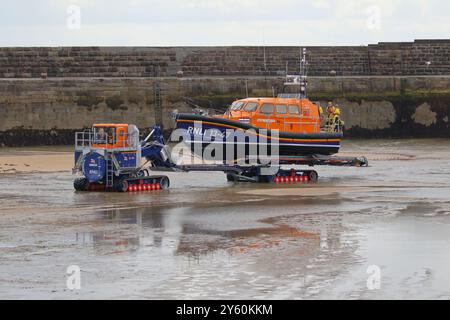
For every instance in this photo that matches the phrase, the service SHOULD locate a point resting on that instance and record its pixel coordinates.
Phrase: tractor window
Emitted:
(267, 108)
(104, 135)
(133, 136)
(251, 107)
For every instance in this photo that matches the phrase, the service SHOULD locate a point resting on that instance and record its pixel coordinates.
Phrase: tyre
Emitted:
(142, 173)
(164, 182)
(81, 184)
(121, 186)
(230, 177)
(313, 176)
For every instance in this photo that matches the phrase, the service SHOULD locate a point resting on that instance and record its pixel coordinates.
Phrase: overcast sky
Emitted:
(220, 22)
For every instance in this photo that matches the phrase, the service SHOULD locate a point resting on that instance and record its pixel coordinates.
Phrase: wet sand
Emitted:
(38, 159)
(207, 238)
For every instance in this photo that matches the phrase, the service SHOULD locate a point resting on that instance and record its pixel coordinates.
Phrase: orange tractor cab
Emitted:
(113, 136)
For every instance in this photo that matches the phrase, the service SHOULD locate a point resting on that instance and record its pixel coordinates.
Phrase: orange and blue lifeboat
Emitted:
(290, 127)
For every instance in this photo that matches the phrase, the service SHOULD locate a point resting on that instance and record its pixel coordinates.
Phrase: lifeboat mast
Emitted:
(297, 79)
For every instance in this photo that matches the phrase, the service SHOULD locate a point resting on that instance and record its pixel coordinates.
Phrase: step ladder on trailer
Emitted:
(109, 171)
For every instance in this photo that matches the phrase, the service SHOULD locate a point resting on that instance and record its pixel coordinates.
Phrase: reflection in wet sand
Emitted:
(243, 239)
(272, 248)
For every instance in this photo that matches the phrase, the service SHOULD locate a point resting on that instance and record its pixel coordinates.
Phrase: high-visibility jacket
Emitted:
(337, 123)
(330, 119)
(320, 110)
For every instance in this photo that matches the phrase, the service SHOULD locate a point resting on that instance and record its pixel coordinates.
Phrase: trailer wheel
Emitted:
(143, 173)
(362, 162)
(121, 186)
(81, 184)
(164, 182)
(231, 177)
(313, 176)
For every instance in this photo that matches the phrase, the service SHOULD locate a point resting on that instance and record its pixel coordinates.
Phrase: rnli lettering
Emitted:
(207, 134)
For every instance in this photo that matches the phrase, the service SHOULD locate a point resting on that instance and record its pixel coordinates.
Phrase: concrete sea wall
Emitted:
(385, 90)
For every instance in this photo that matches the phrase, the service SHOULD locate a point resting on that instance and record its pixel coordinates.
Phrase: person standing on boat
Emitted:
(337, 124)
(321, 114)
(330, 116)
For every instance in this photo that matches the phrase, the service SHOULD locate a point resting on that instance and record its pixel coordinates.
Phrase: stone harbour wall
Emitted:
(421, 57)
(38, 111)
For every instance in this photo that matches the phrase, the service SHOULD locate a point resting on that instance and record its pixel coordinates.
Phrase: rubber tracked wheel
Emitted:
(81, 184)
(164, 182)
(121, 186)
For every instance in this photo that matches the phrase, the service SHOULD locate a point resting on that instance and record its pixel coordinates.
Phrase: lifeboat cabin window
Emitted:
(266, 108)
(281, 108)
(293, 109)
(251, 107)
(237, 105)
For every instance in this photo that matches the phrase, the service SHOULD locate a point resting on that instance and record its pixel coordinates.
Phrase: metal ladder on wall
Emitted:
(158, 103)
(109, 171)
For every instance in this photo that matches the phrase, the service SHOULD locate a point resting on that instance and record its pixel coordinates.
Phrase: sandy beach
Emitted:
(35, 161)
